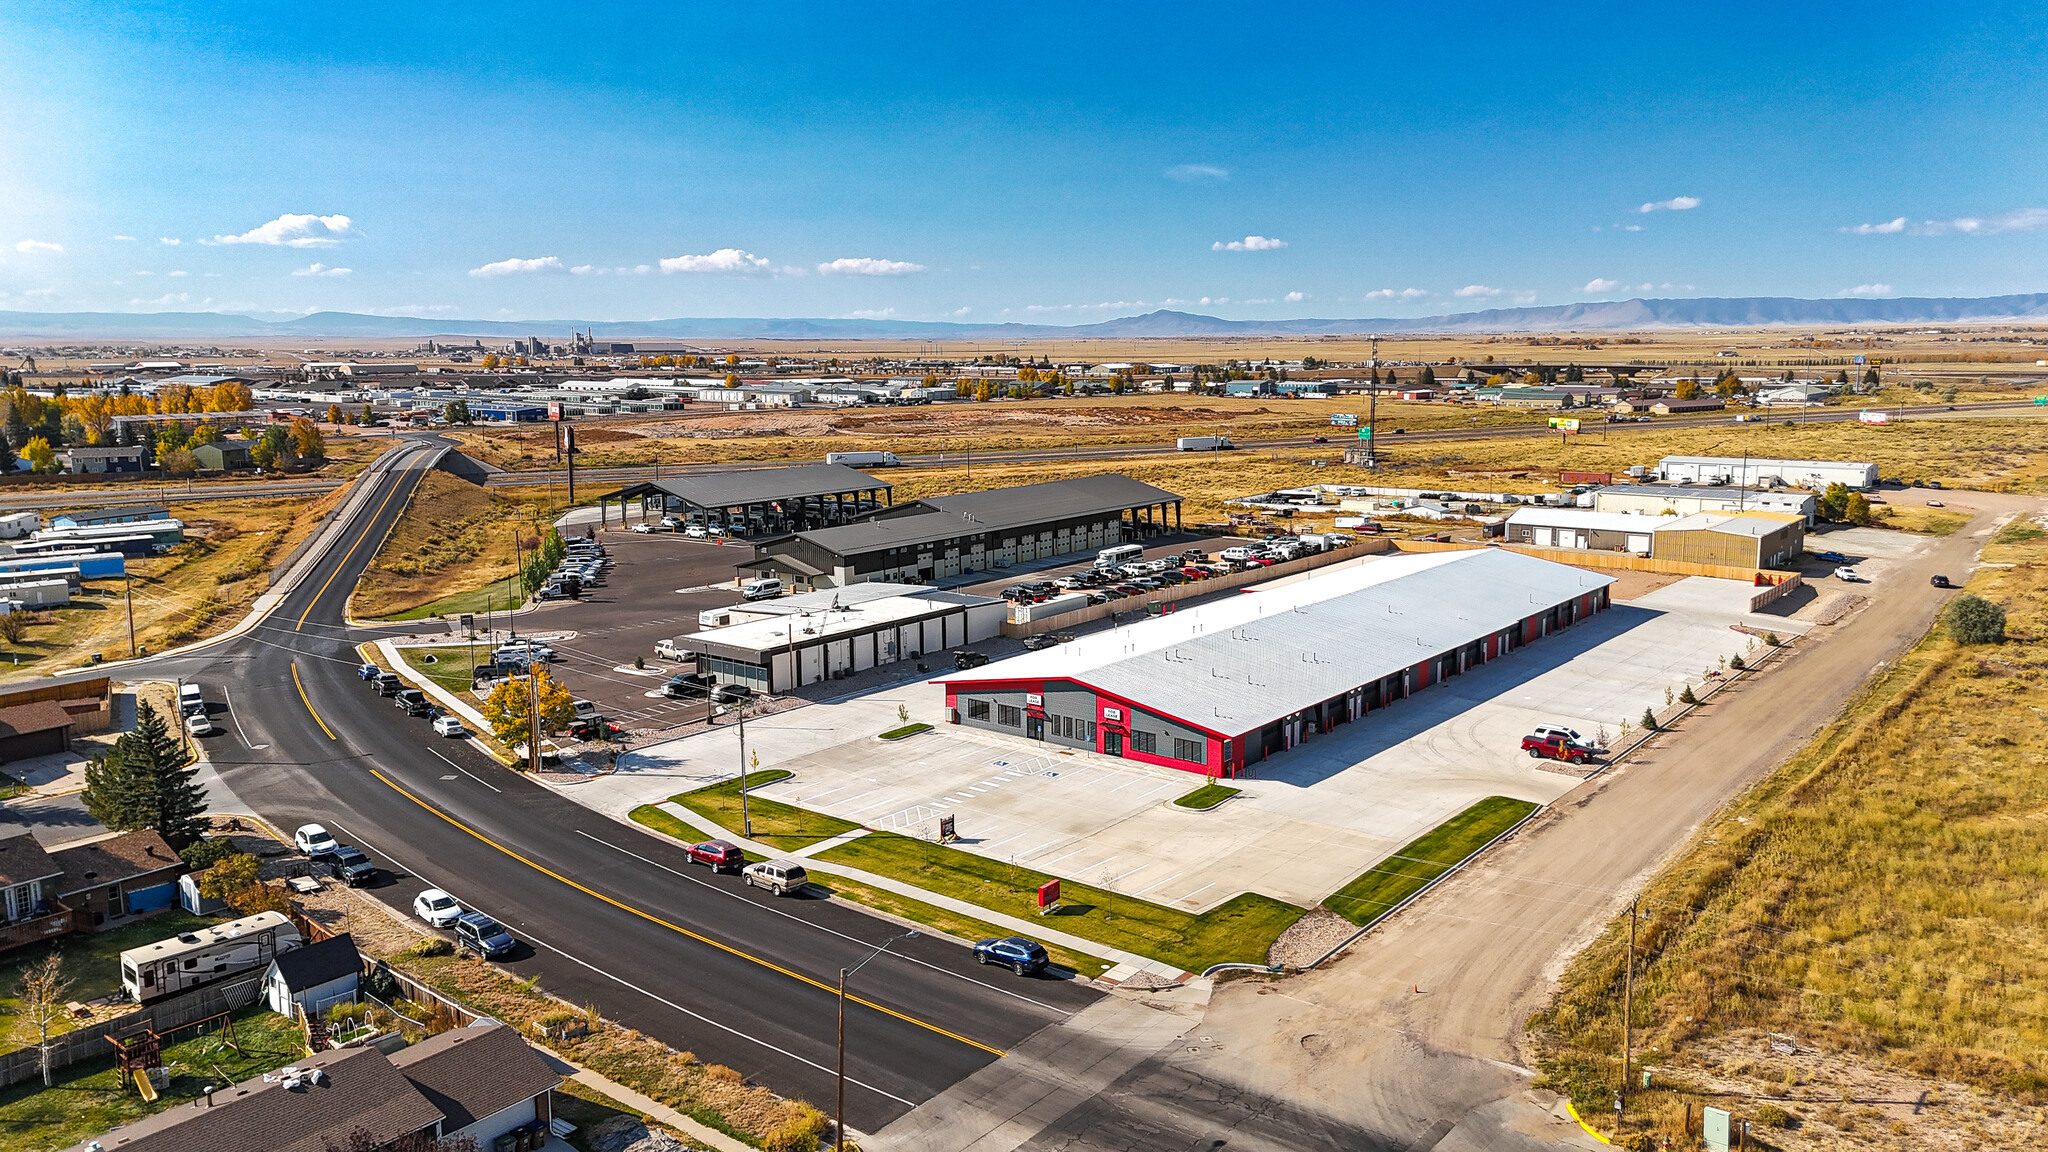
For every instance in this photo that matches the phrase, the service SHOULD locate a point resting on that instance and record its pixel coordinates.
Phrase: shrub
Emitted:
(1686, 697)
(801, 1133)
(1971, 619)
(1736, 663)
(1649, 720)
(203, 854)
(431, 946)
(1771, 638)
(1772, 1116)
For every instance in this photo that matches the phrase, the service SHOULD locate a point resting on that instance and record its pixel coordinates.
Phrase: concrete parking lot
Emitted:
(1307, 821)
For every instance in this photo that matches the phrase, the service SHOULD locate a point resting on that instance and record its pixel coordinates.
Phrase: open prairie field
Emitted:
(1877, 900)
(455, 536)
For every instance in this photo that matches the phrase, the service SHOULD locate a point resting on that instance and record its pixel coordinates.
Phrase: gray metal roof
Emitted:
(761, 485)
(997, 510)
(1238, 664)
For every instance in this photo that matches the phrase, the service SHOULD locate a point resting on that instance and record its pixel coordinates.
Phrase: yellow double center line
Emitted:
(679, 929)
(304, 699)
(393, 471)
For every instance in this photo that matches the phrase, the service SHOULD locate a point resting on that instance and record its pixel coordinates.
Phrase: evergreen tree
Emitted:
(16, 428)
(146, 781)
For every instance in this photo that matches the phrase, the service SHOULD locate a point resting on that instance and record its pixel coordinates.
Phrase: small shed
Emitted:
(223, 456)
(315, 977)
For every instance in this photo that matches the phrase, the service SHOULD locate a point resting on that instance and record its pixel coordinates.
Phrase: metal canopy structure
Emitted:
(756, 500)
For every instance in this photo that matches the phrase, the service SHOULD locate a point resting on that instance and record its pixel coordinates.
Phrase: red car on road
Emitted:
(719, 855)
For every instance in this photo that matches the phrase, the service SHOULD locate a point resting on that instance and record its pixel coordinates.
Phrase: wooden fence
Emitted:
(164, 1016)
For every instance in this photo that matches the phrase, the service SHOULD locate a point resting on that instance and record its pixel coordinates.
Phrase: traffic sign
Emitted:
(1343, 419)
(1365, 432)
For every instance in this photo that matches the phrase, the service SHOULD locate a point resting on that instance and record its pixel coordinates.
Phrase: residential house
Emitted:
(479, 1082)
(34, 729)
(130, 459)
(109, 882)
(120, 514)
(28, 893)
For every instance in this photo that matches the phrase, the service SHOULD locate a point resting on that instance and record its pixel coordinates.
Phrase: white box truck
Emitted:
(863, 459)
(1203, 443)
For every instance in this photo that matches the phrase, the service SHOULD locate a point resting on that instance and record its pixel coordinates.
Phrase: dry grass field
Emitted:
(1878, 900)
(200, 589)
(454, 536)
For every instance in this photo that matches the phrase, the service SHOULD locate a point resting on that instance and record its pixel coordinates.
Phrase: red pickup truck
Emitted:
(1556, 748)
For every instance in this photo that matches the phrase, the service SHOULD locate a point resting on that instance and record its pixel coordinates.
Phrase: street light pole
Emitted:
(839, 1117)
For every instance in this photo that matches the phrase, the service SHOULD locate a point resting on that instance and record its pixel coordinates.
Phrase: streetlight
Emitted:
(737, 695)
(839, 1119)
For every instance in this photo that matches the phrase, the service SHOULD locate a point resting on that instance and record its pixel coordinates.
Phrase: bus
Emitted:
(216, 952)
(1118, 556)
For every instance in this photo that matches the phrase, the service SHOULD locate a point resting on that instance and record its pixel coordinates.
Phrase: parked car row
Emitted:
(334, 859)
(473, 930)
(411, 701)
(583, 568)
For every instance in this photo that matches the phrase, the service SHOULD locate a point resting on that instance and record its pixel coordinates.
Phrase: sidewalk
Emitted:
(1125, 964)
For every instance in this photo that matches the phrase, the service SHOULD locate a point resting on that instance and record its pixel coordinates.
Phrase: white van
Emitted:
(766, 588)
(1117, 556)
(191, 700)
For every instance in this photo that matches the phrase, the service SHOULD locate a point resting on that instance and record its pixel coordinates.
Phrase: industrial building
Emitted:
(1684, 500)
(1757, 471)
(948, 536)
(833, 634)
(1752, 539)
(757, 500)
(1223, 685)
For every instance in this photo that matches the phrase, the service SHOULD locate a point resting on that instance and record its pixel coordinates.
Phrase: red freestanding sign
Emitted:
(1048, 895)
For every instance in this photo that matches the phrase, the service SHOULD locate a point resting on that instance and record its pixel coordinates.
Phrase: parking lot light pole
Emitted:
(839, 1117)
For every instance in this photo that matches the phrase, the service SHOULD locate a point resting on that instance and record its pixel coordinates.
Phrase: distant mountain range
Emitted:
(1704, 312)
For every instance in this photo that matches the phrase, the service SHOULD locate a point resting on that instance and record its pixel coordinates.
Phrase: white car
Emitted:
(199, 725)
(644, 528)
(314, 840)
(1851, 575)
(449, 726)
(1547, 731)
(584, 709)
(437, 908)
(696, 532)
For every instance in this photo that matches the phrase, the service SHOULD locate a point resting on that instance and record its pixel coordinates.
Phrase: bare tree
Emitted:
(43, 988)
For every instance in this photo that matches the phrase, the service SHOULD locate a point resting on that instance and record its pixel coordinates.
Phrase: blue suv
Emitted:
(1013, 952)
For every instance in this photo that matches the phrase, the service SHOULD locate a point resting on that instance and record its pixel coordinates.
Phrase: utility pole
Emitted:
(746, 817)
(533, 719)
(128, 594)
(1628, 1001)
(569, 433)
(1372, 411)
(839, 1117)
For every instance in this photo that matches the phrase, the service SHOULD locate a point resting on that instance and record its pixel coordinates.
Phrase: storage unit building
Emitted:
(1223, 685)
(1758, 471)
(1755, 540)
(757, 500)
(777, 653)
(973, 532)
(1577, 528)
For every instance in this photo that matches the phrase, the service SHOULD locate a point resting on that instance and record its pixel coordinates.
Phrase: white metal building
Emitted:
(825, 641)
(1758, 471)
(1578, 528)
(1684, 500)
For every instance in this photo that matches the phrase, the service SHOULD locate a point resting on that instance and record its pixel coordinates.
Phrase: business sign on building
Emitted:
(1113, 714)
(1034, 700)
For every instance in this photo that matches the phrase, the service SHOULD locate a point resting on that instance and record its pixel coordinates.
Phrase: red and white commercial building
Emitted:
(1223, 685)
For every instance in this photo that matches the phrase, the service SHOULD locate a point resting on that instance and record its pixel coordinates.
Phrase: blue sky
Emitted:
(1045, 162)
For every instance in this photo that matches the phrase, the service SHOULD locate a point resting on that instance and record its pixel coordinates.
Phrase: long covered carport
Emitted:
(753, 501)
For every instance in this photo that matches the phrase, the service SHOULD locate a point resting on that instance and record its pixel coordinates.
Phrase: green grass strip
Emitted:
(1241, 929)
(1207, 796)
(1443, 848)
(782, 826)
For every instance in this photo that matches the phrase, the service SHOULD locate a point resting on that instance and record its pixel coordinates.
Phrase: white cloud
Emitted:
(295, 230)
(1631, 227)
(318, 269)
(961, 311)
(1884, 229)
(723, 260)
(166, 300)
(1198, 173)
(868, 266)
(1296, 297)
(2023, 220)
(1675, 204)
(1525, 297)
(1248, 244)
(871, 314)
(1600, 284)
(179, 272)
(41, 294)
(1470, 291)
(422, 310)
(38, 246)
(1106, 304)
(1393, 294)
(171, 240)
(518, 267)
(594, 270)
(1867, 290)
(130, 239)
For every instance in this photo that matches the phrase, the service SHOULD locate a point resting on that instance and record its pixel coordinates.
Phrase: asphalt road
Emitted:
(608, 915)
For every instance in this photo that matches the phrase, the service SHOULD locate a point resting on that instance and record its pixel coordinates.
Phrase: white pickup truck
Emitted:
(667, 650)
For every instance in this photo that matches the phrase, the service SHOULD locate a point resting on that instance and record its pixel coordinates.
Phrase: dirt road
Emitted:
(1411, 1040)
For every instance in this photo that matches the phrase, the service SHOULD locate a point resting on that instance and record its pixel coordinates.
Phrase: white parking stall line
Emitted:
(1057, 859)
(827, 792)
(1027, 854)
(1157, 883)
(1132, 872)
(1088, 868)
(1156, 791)
(1196, 892)
(1000, 843)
